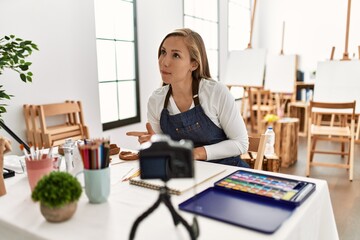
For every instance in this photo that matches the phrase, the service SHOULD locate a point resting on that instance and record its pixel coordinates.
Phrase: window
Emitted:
(117, 62)
(204, 20)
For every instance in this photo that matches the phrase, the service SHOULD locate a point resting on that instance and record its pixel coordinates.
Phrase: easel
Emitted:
(164, 197)
(280, 78)
(336, 94)
(346, 53)
(252, 25)
(282, 39)
(346, 58)
(248, 77)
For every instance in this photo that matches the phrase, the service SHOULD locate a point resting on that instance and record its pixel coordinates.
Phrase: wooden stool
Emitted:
(300, 110)
(270, 163)
(286, 140)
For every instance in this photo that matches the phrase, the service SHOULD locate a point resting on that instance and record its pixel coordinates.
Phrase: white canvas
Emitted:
(280, 73)
(246, 67)
(338, 81)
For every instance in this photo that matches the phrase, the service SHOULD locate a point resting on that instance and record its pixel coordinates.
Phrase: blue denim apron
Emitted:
(196, 126)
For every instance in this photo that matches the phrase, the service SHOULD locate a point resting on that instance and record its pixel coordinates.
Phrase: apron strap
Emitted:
(195, 91)
(167, 97)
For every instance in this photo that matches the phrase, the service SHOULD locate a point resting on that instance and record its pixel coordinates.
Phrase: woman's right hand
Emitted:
(143, 136)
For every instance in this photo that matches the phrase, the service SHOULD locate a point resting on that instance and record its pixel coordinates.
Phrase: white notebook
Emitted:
(203, 172)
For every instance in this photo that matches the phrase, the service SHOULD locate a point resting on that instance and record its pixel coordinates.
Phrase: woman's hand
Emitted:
(143, 136)
(6, 145)
(199, 153)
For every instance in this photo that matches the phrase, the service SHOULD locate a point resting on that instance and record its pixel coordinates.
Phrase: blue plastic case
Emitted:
(239, 210)
(240, 200)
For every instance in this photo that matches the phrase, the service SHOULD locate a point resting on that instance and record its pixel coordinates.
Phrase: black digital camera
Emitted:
(163, 158)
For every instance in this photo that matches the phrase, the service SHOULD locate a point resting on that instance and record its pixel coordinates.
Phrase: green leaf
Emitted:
(16, 59)
(23, 77)
(24, 67)
(29, 78)
(4, 95)
(34, 46)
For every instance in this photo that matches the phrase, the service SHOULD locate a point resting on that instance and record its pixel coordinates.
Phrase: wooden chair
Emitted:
(52, 124)
(33, 133)
(262, 104)
(28, 122)
(343, 132)
(256, 151)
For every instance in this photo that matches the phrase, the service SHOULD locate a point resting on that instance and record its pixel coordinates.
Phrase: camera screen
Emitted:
(154, 167)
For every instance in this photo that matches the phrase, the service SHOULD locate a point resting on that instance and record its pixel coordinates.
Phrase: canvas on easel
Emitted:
(246, 67)
(280, 79)
(338, 81)
(280, 74)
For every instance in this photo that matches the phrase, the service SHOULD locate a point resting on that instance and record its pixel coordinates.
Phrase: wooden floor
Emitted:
(345, 195)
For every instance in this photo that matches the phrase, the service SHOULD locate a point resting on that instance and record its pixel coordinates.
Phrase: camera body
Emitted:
(162, 158)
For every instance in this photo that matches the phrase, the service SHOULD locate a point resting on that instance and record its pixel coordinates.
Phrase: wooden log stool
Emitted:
(286, 140)
(300, 110)
(270, 163)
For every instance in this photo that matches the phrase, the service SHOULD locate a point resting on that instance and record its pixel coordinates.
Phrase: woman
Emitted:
(192, 106)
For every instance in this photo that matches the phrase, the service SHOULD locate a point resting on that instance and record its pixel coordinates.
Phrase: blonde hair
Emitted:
(196, 47)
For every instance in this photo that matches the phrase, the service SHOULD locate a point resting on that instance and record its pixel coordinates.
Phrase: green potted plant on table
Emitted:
(58, 194)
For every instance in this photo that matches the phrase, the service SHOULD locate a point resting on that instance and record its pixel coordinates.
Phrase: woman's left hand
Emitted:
(199, 153)
(143, 136)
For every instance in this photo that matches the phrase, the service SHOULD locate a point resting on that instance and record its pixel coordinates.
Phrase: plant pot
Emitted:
(58, 214)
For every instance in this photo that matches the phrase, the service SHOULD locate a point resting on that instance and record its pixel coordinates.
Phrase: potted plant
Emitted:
(13, 54)
(58, 194)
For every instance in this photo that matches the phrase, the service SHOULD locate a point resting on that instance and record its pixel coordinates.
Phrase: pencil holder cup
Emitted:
(36, 169)
(97, 184)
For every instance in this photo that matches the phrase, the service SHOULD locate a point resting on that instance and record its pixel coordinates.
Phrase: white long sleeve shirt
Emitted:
(219, 105)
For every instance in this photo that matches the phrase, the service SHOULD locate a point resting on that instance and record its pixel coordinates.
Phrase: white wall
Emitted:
(312, 28)
(64, 68)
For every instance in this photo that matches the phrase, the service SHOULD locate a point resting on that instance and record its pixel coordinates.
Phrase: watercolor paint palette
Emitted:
(285, 190)
(256, 201)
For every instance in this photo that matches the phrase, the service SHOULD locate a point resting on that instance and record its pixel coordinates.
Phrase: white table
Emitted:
(20, 217)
